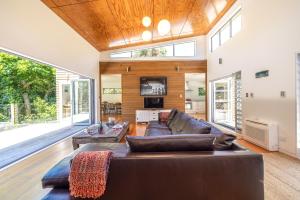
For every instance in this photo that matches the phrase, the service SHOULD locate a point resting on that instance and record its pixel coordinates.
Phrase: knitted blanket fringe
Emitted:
(88, 175)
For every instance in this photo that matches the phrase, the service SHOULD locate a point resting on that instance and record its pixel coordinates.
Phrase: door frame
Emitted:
(91, 105)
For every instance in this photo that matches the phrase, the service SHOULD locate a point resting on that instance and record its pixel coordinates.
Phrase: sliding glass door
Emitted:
(81, 102)
(226, 101)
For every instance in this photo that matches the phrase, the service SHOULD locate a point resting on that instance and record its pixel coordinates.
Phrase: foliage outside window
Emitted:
(112, 91)
(29, 87)
(201, 91)
(185, 49)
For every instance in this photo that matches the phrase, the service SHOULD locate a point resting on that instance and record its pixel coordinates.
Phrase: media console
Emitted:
(142, 116)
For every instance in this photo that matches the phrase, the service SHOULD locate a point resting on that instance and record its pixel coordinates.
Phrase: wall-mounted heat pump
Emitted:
(261, 133)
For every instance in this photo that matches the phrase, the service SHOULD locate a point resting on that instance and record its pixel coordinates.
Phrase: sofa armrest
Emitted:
(58, 175)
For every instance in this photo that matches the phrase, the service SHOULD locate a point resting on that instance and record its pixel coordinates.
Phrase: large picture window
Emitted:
(39, 105)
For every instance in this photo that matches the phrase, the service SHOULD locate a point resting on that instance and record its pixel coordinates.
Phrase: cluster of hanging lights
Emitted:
(163, 28)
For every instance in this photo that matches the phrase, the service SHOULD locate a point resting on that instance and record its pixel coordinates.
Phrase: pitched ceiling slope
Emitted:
(113, 24)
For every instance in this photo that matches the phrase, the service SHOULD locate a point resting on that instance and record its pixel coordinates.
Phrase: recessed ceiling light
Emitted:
(147, 35)
(163, 27)
(146, 21)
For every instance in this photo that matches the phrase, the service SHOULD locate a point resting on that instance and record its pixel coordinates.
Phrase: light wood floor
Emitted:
(22, 180)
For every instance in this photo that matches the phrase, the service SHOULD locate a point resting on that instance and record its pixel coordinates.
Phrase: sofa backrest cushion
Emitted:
(193, 126)
(171, 116)
(224, 142)
(179, 122)
(199, 142)
(214, 130)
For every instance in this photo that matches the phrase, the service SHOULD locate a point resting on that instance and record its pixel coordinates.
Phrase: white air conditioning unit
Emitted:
(261, 133)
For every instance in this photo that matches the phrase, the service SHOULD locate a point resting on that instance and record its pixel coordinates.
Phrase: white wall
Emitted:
(269, 39)
(32, 29)
(200, 50)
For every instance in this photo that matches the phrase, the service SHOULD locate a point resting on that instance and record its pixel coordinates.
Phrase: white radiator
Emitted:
(263, 134)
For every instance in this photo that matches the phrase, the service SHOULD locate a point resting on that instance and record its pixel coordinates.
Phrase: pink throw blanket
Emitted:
(88, 176)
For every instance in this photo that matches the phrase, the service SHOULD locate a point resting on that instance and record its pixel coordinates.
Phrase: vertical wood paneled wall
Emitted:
(132, 71)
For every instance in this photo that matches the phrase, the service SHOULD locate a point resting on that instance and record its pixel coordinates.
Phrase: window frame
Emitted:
(157, 47)
(193, 41)
(228, 22)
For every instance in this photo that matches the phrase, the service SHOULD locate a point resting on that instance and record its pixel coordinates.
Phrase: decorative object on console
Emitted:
(93, 129)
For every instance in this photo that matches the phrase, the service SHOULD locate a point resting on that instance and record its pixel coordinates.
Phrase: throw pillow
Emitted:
(201, 142)
(163, 116)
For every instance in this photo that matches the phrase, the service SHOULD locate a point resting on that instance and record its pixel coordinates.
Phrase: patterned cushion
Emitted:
(163, 116)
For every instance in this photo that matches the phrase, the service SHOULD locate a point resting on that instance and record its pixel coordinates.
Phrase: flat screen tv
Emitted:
(153, 86)
(153, 102)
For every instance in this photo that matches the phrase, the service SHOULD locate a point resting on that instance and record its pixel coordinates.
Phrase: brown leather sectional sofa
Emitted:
(203, 166)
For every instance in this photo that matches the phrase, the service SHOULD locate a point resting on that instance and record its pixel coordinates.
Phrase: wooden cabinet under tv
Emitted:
(145, 116)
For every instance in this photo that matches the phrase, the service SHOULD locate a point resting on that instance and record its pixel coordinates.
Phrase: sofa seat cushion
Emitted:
(58, 175)
(203, 142)
(158, 132)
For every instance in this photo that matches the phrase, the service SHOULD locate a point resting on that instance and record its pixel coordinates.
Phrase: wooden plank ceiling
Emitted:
(112, 24)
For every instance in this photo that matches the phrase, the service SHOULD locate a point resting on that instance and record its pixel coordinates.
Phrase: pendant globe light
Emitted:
(146, 21)
(163, 27)
(147, 35)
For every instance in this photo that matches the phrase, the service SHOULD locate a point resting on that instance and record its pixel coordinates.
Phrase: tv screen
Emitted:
(153, 102)
(153, 86)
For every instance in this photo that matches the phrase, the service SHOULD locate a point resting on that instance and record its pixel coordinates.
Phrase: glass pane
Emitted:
(223, 102)
(221, 96)
(185, 49)
(81, 111)
(66, 100)
(121, 55)
(215, 41)
(221, 86)
(162, 51)
(236, 24)
(142, 53)
(44, 106)
(225, 33)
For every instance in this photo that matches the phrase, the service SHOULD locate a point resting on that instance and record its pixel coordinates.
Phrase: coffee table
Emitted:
(107, 134)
